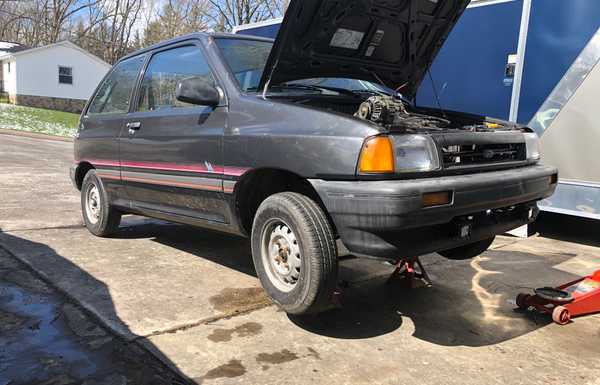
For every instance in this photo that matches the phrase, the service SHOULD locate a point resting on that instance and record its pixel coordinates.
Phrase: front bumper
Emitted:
(387, 218)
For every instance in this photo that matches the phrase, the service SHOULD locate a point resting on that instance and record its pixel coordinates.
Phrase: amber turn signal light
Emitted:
(437, 198)
(377, 156)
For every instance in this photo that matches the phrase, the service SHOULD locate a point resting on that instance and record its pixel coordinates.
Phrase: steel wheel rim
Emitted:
(281, 255)
(93, 206)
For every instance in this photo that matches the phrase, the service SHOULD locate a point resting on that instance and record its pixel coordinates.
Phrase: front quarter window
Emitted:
(246, 59)
(165, 70)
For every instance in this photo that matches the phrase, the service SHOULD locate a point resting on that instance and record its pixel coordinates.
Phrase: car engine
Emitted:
(381, 109)
(392, 113)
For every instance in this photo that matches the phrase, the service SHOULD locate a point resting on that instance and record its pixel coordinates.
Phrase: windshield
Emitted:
(247, 60)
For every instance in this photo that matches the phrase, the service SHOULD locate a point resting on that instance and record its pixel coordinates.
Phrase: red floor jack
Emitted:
(564, 302)
(406, 272)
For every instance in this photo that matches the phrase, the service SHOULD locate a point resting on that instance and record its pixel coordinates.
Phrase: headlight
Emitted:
(400, 154)
(415, 153)
(532, 144)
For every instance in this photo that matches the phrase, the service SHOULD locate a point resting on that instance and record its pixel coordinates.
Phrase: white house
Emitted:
(60, 76)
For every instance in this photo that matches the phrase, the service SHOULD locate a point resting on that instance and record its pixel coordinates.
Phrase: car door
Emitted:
(171, 152)
(100, 126)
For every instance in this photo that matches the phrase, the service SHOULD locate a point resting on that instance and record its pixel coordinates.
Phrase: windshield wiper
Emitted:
(307, 87)
(289, 87)
(341, 91)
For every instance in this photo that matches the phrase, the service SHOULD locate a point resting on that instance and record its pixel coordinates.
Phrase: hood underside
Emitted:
(383, 41)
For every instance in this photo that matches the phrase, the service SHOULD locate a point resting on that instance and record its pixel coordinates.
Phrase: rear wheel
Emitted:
(295, 253)
(469, 251)
(100, 218)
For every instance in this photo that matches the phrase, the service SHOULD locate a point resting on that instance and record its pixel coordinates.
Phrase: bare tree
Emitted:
(178, 17)
(113, 28)
(230, 13)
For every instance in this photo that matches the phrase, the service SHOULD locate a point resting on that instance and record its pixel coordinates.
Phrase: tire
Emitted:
(295, 253)
(469, 251)
(100, 218)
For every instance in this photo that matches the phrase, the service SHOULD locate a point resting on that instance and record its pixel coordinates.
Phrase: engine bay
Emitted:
(395, 115)
(398, 116)
(392, 113)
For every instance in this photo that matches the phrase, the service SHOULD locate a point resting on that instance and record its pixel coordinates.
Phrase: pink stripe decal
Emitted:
(106, 176)
(175, 184)
(204, 169)
(173, 167)
(235, 171)
(100, 162)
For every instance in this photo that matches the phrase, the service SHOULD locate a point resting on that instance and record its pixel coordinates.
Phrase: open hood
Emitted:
(389, 41)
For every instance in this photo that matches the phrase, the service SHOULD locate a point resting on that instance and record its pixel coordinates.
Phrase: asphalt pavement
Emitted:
(174, 304)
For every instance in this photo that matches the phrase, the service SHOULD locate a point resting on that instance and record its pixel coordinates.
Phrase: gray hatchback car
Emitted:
(306, 140)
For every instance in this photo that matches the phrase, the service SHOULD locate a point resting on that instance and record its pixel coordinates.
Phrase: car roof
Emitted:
(195, 35)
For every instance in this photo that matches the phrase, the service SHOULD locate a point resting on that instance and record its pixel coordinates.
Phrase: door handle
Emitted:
(133, 127)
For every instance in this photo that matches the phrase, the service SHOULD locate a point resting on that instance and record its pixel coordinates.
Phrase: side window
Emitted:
(165, 70)
(114, 94)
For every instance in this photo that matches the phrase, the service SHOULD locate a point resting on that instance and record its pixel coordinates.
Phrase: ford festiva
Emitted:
(305, 140)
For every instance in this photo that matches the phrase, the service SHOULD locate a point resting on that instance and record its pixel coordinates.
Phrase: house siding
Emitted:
(9, 79)
(37, 73)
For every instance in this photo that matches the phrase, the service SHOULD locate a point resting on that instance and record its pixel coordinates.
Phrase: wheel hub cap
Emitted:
(281, 254)
(93, 204)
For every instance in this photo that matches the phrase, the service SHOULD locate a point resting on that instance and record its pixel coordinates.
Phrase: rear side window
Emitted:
(165, 70)
(114, 94)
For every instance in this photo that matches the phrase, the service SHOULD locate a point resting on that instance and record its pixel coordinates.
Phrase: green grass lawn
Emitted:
(38, 120)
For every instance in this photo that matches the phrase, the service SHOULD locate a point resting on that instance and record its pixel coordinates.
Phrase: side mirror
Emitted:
(196, 90)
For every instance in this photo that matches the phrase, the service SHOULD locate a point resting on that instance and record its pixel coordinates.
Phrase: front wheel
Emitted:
(100, 218)
(469, 251)
(294, 253)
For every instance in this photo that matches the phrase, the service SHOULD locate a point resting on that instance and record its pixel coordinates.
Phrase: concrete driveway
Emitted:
(191, 298)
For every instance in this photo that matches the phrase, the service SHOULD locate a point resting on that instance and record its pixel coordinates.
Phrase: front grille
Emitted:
(482, 154)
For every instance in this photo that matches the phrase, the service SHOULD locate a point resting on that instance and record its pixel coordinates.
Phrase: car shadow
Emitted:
(227, 250)
(471, 303)
(64, 344)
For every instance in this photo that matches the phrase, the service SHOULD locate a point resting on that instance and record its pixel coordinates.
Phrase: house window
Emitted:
(8, 67)
(65, 75)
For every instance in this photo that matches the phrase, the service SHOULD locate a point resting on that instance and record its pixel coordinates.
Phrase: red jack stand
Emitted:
(406, 272)
(572, 299)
